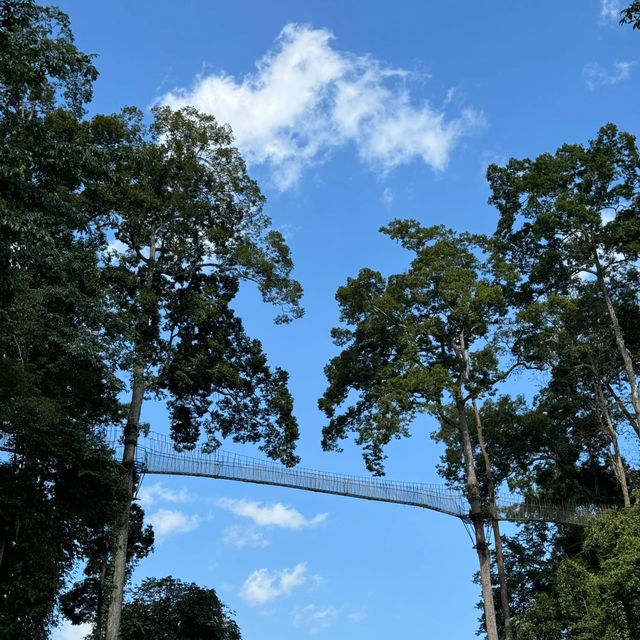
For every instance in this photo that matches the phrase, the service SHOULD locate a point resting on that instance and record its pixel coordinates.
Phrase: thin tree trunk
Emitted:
(502, 579)
(99, 630)
(477, 519)
(2, 544)
(622, 406)
(609, 429)
(622, 348)
(131, 433)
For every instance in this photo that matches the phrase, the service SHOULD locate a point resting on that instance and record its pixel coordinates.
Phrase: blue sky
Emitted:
(351, 114)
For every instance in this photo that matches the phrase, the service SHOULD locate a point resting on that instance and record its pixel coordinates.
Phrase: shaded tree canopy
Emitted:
(60, 483)
(169, 609)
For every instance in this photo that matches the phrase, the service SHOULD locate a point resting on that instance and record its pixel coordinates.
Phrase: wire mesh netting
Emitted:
(156, 454)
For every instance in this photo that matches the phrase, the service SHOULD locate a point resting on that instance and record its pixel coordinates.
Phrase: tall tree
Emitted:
(56, 391)
(191, 225)
(422, 341)
(573, 215)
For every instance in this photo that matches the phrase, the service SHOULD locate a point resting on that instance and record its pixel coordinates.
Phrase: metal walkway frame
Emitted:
(156, 454)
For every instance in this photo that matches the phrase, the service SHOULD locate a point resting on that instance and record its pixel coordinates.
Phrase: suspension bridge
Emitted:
(156, 454)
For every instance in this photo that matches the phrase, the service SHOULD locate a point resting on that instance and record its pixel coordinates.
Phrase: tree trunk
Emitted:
(2, 544)
(609, 429)
(104, 566)
(477, 519)
(502, 579)
(131, 433)
(620, 343)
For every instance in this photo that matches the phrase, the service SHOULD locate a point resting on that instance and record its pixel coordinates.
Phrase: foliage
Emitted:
(191, 223)
(169, 609)
(403, 356)
(84, 602)
(60, 483)
(596, 593)
(631, 14)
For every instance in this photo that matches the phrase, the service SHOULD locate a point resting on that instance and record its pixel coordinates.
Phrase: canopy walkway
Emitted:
(156, 454)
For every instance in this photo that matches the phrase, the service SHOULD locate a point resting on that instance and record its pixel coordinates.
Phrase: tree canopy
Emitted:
(169, 609)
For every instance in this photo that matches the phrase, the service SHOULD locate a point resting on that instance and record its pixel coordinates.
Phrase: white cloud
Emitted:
(596, 75)
(241, 537)
(116, 247)
(306, 97)
(264, 585)
(610, 10)
(313, 618)
(67, 631)
(387, 197)
(150, 494)
(167, 522)
(277, 514)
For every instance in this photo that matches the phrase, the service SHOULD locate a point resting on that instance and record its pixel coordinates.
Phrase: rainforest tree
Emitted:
(422, 341)
(574, 216)
(59, 483)
(189, 223)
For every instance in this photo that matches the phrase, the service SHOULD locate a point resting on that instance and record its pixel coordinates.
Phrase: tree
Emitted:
(631, 14)
(423, 341)
(85, 601)
(56, 391)
(571, 337)
(191, 223)
(169, 609)
(594, 594)
(571, 216)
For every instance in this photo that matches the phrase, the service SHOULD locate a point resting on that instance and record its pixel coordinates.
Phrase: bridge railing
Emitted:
(156, 454)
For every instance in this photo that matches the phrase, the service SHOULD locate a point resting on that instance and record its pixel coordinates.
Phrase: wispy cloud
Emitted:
(596, 75)
(148, 495)
(610, 10)
(313, 618)
(166, 522)
(357, 616)
(241, 537)
(265, 585)
(276, 514)
(306, 98)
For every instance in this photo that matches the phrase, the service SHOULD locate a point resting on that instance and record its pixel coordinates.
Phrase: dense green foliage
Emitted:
(169, 609)
(56, 389)
(72, 312)
(421, 339)
(190, 228)
(594, 593)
